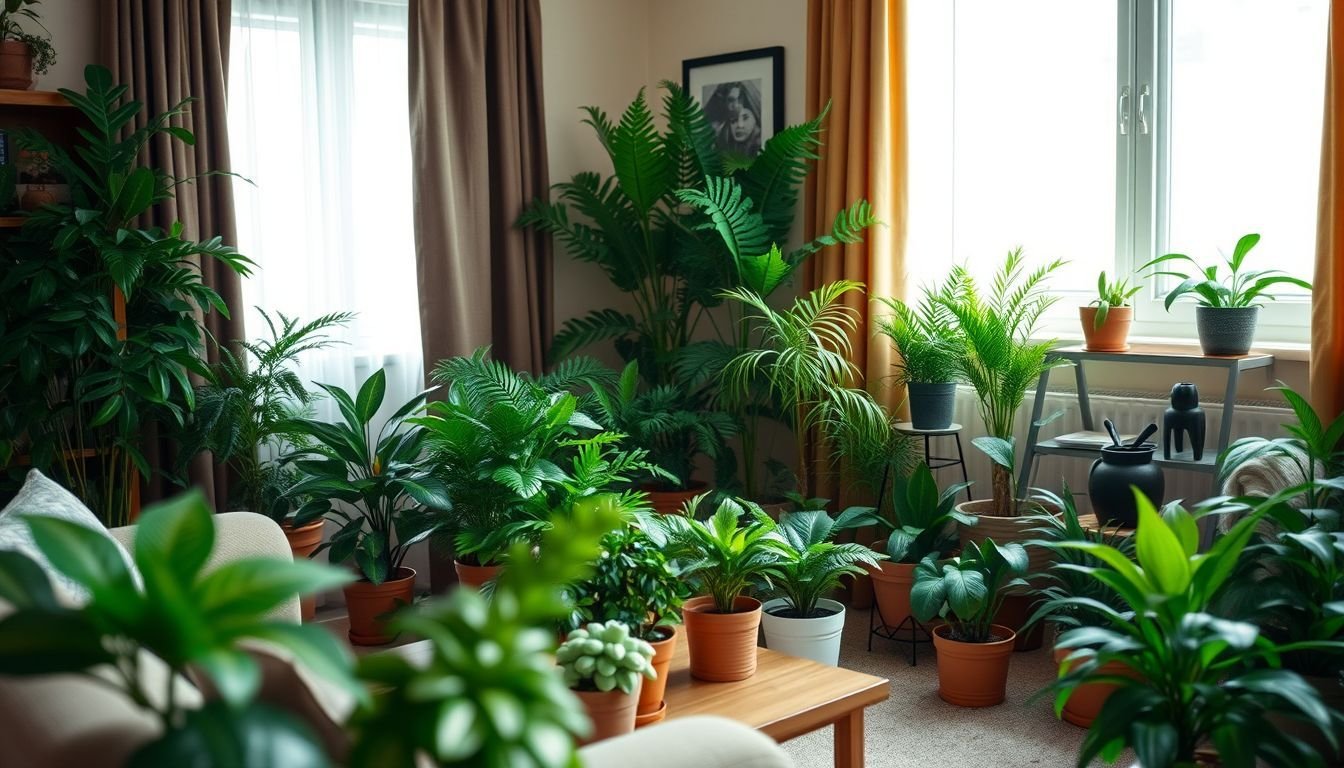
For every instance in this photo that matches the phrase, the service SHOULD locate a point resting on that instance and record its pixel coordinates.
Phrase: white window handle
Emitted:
(1143, 108)
(1123, 108)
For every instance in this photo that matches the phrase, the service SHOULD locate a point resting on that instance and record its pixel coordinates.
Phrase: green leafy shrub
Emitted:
(969, 590)
(720, 556)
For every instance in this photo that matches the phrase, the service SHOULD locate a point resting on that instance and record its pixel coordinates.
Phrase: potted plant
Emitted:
(973, 652)
(603, 664)
(22, 54)
(802, 621)
(1106, 319)
(1228, 309)
(922, 523)
(634, 583)
(378, 488)
(1195, 678)
(723, 558)
(926, 338)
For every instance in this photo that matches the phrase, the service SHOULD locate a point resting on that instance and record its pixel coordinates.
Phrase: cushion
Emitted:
(42, 496)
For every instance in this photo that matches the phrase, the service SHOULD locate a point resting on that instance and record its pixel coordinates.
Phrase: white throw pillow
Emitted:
(42, 496)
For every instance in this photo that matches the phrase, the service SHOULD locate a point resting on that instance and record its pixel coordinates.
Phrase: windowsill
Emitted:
(1281, 350)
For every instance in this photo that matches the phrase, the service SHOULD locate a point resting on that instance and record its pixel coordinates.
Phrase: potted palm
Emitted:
(378, 488)
(1228, 309)
(723, 557)
(1107, 318)
(22, 54)
(926, 338)
(973, 652)
(801, 621)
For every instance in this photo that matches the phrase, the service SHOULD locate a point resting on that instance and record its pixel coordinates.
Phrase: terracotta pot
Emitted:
(891, 589)
(651, 694)
(612, 713)
(1013, 613)
(475, 576)
(302, 541)
(1003, 530)
(653, 717)
(1113, 335)
(16, 65)
(369, 602)
(1085, 702)
(722, 645)
(973, 674)
(670, 502)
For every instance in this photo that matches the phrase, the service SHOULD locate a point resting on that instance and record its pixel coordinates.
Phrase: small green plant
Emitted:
(605, 657)
(923, 521)
(810, 564)
(926, 335)
(1239, 289)
(1070, 595)
(969, 590)
(720, 556)
(633, 583)
(10, 29)
(1110, 295)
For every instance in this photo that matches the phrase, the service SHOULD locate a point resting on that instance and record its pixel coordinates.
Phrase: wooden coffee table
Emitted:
(787, 697)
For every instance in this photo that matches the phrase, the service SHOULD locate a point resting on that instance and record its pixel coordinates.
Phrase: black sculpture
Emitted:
(1184, 416)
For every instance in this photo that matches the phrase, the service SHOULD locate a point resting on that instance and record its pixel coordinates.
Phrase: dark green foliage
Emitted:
(1240, 289)
(721, 557)
(1071, 597)
(922, 521)
(1314, 447)
(926, 335)
(968, 590)
(810, 564)
(633, 583)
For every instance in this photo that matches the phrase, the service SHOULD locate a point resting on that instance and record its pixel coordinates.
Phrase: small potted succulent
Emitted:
(604, 665)
(1228, 309)
(22, 54)
(802, 622)
(1107, 318)
(723, 557)
(926, 337)
(967, 592)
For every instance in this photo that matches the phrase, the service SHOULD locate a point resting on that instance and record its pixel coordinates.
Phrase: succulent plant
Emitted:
(605, 657)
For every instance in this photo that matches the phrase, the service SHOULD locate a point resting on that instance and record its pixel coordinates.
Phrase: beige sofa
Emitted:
(62, 721)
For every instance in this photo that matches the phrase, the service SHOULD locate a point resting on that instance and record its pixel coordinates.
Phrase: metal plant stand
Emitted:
(877, 627)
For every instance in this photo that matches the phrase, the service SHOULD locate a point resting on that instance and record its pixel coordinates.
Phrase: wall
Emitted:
(74, 34)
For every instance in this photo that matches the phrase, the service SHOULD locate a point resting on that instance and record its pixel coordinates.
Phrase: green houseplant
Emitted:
(78, 387)
(925, 336)
(188, 616)
(802, 621)
(1228, 308)
(378, 488)
(1106, 319)
(723, 557)
(603, 665)
(22, 53)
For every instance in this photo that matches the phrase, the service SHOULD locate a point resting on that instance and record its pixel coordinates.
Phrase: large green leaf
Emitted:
(179, 534)
(637, 157)
(966, 590)
(90, 558)
(370, 397)
(764, 273)
(250, 587)
(23, 583)
(1159, 551)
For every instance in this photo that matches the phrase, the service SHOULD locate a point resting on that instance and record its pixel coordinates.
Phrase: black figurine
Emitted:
(1186, 416)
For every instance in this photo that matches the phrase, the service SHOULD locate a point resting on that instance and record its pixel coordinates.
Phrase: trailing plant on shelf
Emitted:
(922, 521)
(12, 16)
(810, 563)
(968, 591)
(77, 386)
(244, 410)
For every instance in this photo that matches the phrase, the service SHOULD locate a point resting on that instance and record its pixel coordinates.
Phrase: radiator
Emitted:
(1130, 415)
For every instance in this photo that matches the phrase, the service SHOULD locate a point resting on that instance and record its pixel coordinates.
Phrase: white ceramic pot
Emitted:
(815, 639)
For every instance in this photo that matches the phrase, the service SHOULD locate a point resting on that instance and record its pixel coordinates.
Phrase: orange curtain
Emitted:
(856, 62)
(1327, 310)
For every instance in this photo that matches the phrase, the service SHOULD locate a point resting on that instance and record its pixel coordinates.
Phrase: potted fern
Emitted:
(1107, 318)
(925, 336)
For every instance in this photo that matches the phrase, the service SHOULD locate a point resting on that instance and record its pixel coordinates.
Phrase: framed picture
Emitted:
(742, 94)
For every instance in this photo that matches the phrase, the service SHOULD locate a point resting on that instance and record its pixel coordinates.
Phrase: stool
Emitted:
(939, 462)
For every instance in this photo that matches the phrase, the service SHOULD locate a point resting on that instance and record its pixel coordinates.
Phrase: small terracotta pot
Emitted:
(16, 65)
(891, 589)
(1085, 702)
(475, 576)
(722, 645)
(670, 502)
(1113, 335)
(302, 541)
(973, 674)
(369, 602)
(612, 713)
(651, 694)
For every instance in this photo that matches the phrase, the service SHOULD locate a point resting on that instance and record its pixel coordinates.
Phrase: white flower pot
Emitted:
(815, 639)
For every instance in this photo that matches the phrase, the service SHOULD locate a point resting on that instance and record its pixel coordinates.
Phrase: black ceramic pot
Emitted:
(1109, 483)
(931, 404)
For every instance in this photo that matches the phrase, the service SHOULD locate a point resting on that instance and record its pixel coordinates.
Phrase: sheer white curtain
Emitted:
(318, 121)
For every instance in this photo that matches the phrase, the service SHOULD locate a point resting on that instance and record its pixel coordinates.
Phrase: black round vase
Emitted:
(1108, 484)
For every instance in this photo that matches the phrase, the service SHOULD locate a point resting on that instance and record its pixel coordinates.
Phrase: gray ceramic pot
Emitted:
(931, 404)
(1226, 331)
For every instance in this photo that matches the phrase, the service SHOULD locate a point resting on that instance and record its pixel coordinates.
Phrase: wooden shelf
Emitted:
(24, 460)
(1158, 355)
(12, 222)
(11, 97)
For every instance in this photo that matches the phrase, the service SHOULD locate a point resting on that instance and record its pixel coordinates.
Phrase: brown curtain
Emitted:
(855, 61)
(1327, 300)
(478, 153)
(165, 52)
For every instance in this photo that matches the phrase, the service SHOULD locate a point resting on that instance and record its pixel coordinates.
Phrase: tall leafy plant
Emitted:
(724, 555)
(1239, 289)
(925, 335)
(922, 520)
(78, 382)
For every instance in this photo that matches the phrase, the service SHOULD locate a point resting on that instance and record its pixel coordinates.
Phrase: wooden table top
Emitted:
(787, 696)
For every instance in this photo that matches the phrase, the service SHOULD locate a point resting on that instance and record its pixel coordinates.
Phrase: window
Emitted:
(319, 126)
(1108, 133)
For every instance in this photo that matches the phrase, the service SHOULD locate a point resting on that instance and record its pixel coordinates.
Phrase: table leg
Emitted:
(849, 740)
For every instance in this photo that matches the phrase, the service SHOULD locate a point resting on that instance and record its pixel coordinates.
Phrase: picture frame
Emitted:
(742, 94)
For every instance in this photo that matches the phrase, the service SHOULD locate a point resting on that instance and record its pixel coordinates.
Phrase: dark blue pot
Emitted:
(1112, 475)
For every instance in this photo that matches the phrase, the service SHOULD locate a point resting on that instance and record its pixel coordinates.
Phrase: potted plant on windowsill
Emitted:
(22, 54)
(973, 652)
(926, 338)
(378, 488)
(1229, 309)
(802, 622)
(1107, 318)
(722, 558)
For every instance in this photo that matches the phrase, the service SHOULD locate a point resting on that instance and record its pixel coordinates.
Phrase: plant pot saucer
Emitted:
(652, 717)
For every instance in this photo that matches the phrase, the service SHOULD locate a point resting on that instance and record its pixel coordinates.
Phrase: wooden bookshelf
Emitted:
(11, 97)
(12, 222)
